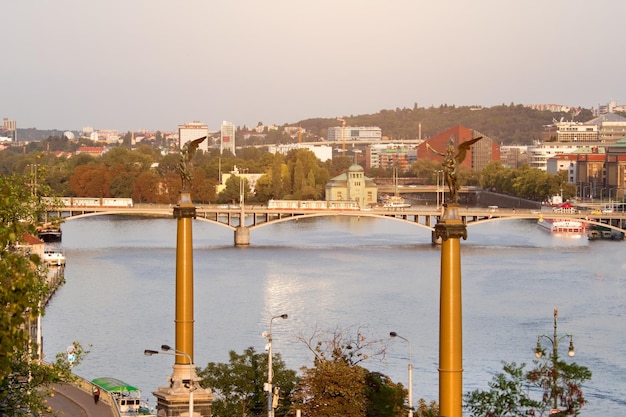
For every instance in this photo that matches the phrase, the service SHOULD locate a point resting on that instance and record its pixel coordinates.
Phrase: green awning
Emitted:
(114, 385)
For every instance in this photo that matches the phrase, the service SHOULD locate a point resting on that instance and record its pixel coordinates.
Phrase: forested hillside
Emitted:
(512, 124)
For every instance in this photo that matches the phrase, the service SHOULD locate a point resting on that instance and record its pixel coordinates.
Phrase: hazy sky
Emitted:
(131, 64)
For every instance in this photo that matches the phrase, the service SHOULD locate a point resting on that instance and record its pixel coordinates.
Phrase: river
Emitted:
(381, 275)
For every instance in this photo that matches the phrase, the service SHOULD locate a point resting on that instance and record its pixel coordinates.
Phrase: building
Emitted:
(577, 132)
(251, 178)
(391, 155)
(227, 137)
(10, 127)
(352, 185)
(94, 151)
(192, 131)
(611, 127)
(323, 153)
(352, 133)
(477, 157)
(514, 156)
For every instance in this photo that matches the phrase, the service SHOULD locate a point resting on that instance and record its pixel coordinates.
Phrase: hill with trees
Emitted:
(509, 125)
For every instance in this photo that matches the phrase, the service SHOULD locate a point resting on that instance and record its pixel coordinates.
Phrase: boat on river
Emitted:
(395, 201)
(573, 227)
(127, 397)
(604, 233)
(50, 234)
(53, 257)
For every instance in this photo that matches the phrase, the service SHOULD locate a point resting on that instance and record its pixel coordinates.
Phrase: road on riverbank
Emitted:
(70, 401)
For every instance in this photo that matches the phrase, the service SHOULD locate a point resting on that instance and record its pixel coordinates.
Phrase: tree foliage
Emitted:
(238, 384)
(338, 384)
(24, 380)
(517, 393)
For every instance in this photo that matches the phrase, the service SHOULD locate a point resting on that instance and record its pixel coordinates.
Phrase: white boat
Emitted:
(574, 227)
(395, 201)
(127, 398)
(53, 257)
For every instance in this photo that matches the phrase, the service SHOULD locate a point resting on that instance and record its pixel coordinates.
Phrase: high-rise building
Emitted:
(192, 131)
(227, 137)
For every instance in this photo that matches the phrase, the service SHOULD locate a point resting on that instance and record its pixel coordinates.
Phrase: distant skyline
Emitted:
(155, 64)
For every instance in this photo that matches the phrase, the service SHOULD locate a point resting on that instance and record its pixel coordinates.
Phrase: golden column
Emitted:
(184, 212)
(450, 229)
(183, 397)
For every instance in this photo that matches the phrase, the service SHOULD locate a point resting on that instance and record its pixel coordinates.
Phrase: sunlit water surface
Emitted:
(345, 273)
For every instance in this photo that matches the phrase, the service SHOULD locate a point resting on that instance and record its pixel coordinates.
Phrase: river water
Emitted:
(345, 273)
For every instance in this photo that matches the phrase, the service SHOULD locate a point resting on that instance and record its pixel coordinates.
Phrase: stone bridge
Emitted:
(256, 216)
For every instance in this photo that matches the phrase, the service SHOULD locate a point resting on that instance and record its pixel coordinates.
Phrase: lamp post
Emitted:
(410, 399)
(165, 350)
(555, 339)
(439, 173)
(270, 391)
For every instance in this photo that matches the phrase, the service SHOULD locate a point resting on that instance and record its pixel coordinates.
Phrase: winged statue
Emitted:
(184, 166)
(451, 163)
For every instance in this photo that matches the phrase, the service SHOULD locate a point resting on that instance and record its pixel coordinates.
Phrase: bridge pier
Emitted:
(242, 236)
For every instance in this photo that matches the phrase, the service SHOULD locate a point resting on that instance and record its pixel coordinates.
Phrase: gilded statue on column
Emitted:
(451, 162)
(184, 165)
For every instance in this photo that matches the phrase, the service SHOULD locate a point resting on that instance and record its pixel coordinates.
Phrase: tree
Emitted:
(510, 392)
(238, 384)
(508, 395)
(24, 380)
(338, 385)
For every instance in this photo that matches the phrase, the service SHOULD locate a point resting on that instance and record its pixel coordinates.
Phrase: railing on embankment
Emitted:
(105, 396)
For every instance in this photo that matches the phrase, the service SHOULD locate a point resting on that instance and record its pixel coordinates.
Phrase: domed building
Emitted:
(352, 186)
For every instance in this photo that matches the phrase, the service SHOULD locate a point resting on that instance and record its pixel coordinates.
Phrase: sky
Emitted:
(154, 64)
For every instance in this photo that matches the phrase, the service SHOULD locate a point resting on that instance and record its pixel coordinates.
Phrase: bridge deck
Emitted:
(426, 216)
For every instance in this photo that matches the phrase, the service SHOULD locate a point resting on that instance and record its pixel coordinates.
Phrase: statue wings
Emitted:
(463, 147)
(192, 146)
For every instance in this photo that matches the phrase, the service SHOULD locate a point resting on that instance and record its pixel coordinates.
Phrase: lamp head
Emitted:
(165, 348)
(570, 351)
(393, 334)
(538, 350)
(150, 352)
(284, 316)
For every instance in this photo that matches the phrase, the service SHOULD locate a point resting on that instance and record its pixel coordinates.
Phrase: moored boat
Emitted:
(604, 233)
(127, 397)
(53, 257)
(50, 234)
(563, 226)
(395, 202)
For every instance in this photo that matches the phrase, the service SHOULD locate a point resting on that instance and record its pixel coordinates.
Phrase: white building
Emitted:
(539, 154)
(227, 137)
(323, 152)
(192, 131)
(348, 133)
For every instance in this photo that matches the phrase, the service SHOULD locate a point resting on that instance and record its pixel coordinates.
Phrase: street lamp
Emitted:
(439, 173)
(268, 388)
(555, 355)
(165, 350)
(394, 334)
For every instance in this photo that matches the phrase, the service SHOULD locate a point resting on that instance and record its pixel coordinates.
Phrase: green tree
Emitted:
(238, 384)
(510, 392)
(24, 381)
(232, 192)
(508, 395)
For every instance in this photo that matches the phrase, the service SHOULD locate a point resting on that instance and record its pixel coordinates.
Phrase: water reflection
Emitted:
(340, 272)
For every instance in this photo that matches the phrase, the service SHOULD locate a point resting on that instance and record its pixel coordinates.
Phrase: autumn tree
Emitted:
(338, 384)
